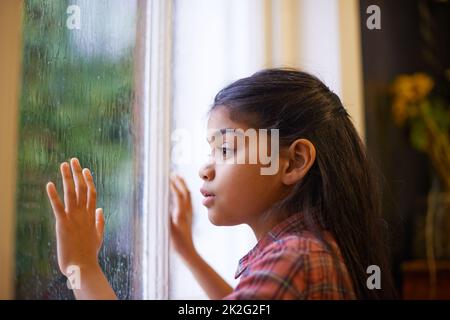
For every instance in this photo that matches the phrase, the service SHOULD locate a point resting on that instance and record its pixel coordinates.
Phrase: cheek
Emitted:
(237, 180)
(244, 192)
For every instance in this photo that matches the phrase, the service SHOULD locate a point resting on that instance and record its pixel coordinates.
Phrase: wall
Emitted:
(10, 53)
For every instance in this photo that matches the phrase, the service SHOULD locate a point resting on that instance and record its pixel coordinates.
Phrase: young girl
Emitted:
(317, 219)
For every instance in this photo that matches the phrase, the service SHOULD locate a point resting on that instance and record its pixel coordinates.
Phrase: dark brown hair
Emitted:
(341, 191)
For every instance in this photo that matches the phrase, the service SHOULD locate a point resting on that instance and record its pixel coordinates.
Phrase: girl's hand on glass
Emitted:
(181, 218)
(79, 225)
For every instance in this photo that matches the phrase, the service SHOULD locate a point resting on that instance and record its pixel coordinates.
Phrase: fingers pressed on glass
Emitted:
(176, 193)
(177, 201)
(180, 187)
(55, 201)
(91, 191)
(80, 184)
(185, 187)
(70, 198)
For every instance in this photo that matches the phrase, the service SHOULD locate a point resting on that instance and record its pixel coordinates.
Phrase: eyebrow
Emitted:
(224, 131)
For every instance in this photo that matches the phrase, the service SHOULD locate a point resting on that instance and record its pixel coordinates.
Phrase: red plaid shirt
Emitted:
(291, 263)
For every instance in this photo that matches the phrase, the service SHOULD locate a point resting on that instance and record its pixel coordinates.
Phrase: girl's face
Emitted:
(236, 193)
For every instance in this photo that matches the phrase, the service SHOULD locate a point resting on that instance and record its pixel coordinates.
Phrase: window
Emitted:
(79, 98)
(97, 79)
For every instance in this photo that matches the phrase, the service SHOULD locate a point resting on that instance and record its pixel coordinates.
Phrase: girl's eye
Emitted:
(225, 151)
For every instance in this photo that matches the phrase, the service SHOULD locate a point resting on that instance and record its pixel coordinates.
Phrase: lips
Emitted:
(206, 193)
(209, 197)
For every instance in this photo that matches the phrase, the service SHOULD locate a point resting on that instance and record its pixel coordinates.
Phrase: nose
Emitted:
(207, 172)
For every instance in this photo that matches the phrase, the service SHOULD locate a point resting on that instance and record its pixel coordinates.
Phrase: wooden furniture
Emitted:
(417, 284)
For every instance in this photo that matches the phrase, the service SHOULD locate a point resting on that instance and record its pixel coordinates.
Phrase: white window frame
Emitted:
(154, 157)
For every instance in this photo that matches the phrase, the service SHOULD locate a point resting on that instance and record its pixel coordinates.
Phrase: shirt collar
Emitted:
(292, 224)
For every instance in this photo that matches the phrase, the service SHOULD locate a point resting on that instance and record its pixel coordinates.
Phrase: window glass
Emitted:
(77, 100)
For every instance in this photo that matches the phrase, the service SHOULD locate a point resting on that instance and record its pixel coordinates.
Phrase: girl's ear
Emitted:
(301, 156)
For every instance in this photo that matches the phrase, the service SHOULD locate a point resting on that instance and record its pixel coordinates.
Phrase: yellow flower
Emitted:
(423, 85)
(399, 111)
(412, 88)
(409, 91)
(403, 88)
(413, 111)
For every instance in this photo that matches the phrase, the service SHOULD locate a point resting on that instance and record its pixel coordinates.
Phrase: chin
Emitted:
(214, 218)
(218, 218)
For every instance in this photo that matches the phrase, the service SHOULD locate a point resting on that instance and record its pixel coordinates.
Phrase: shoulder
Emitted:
(298, 243)
(295, 266)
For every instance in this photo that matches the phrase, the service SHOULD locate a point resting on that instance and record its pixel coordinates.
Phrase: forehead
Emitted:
(219, 119)
(220, 126)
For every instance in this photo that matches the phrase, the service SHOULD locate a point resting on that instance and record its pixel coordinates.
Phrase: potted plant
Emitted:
(427, 118)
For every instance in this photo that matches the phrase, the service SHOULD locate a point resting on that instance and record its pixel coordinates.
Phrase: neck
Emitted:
(264, 223)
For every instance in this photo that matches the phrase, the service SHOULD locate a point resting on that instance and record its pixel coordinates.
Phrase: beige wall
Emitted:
(321, 37)
(282, 28)
(351, 62)
(10, 53)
